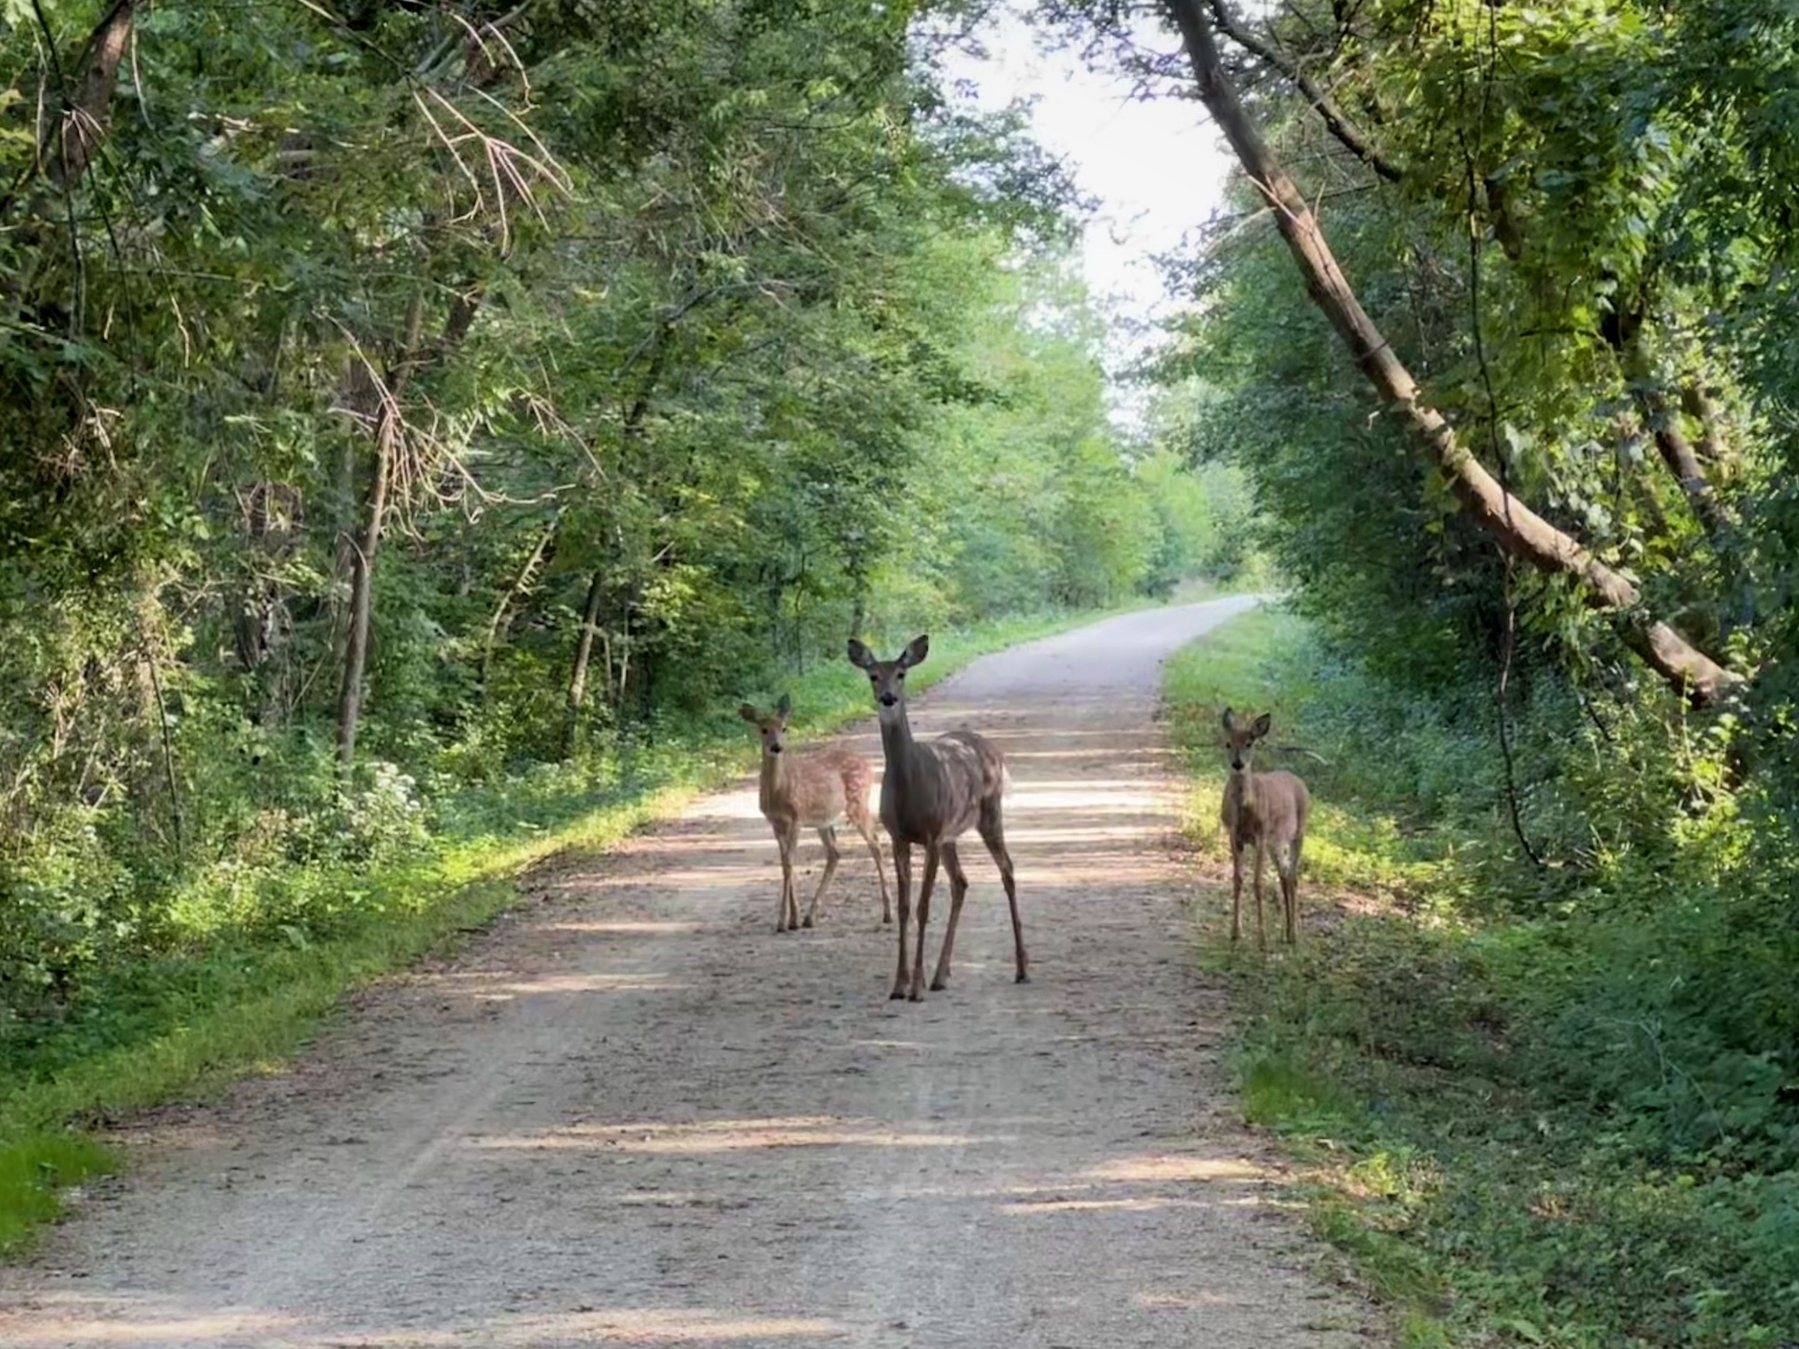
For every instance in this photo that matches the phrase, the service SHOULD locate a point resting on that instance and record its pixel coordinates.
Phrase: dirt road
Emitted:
(632, 1114)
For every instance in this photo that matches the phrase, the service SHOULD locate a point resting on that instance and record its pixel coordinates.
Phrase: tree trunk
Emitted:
(1518, 529)
(577, 678)
(377, 403)
(362, 599)
(83, 126)
(498, 622)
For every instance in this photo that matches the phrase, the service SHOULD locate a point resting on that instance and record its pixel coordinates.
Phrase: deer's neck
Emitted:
(774, 778)
(1240, 792)
(897, 746)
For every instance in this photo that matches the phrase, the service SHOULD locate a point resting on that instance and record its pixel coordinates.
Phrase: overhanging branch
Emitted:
(1519, 530)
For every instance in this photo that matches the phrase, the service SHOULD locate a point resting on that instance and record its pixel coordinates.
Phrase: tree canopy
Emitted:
(405, 395)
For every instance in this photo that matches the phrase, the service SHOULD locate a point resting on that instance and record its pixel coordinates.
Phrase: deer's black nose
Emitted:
(888, 700)
(774, 749)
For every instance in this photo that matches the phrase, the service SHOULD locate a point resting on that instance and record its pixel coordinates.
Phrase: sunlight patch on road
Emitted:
(1175, 1166)
(725, 876)
(1111, 754)
(130, 1326)
(503, 987)
(622, 927)
(727, 1136)
(656, 1326)
(1123, 833)
(1156, 1301)
(1099, 797)
(1136, 1204)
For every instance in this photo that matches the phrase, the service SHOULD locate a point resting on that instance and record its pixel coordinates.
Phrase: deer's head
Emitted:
(1240, 736)
(888, 677)
(773, 730)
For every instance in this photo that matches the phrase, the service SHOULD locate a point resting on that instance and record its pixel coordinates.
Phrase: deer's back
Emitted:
(828, 785)
(949, 778)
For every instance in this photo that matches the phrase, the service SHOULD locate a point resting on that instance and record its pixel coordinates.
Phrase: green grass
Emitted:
(1491, 1117)
(186, 1026)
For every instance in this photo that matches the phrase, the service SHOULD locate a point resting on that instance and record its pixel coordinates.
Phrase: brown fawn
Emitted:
(818, 789)
(931, 793)
(1267, 810)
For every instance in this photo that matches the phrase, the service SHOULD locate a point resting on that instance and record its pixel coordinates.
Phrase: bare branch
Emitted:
(1339, 125)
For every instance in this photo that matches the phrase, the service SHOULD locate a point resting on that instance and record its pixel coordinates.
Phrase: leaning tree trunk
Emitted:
(577, 679)
(1519, 530)
(362, 600)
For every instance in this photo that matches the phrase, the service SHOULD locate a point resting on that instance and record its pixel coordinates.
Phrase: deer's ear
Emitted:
(916, 650)
(749, 713)
(1263, 723)
(785, 706)
(1229, 720)
(860, 655)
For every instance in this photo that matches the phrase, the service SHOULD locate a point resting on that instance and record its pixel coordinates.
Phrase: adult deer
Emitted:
(1264, 809)
(931, 794)
(818, 789)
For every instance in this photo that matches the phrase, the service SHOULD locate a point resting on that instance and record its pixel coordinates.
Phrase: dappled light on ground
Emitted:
(512, 985)
(1132, 1204)
(106, 1322)
(1179, 1167)
(731, 1135)
(119, 1323)
(637, 928)
(635, 1115)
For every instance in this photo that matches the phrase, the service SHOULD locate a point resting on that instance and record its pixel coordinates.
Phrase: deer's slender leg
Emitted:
(925, 885)
(1287, 865)
(1236, 891)
(874, 851)
(902, 882)
(993, 834)
(784, 840)
(828, 837)
(1293, 852)
(958, 889)
(1261, 926)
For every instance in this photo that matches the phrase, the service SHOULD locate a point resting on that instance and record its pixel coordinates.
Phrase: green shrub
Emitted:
(1554, 1105)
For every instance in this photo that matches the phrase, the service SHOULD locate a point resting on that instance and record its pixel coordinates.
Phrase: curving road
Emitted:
(632, 1114)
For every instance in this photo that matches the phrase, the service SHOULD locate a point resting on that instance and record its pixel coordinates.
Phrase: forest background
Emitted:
(427, 422)
(428, 419)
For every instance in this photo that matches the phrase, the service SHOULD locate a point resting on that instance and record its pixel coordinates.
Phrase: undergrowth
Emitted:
(1552, 1106)
(257, 949)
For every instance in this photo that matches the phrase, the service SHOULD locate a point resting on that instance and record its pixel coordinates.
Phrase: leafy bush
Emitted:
(1572, 1093)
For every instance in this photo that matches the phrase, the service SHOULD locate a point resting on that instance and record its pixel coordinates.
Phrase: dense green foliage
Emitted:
(422, 417)
(1569, 1045)
(1564, 1127)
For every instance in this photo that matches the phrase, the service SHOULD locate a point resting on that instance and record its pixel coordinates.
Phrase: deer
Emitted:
(818, 789)
(1264, 809)
(932, 793)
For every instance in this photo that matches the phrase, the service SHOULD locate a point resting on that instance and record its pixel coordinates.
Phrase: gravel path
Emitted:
(632, 1114)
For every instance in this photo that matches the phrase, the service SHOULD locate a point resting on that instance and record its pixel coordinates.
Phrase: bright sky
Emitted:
(1155, 165)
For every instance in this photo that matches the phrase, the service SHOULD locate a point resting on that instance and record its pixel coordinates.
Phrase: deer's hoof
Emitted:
(897, 994)
(807, 923)
(938, 985)
(1022, 978)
